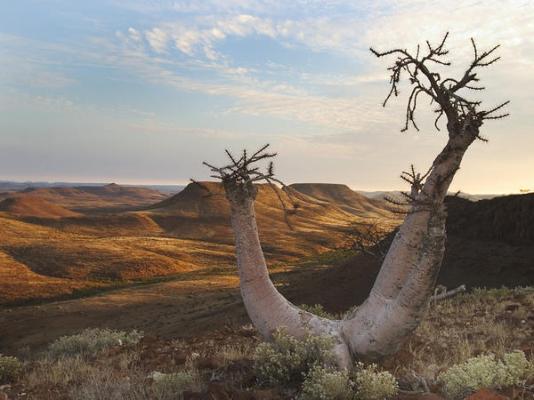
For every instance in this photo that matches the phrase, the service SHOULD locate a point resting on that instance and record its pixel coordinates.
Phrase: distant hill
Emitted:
(13, 186)
(490, 243)
(34, 207)
(201, 211)
(94, 197)
(52, 251)
(345, 198)
(508, 219)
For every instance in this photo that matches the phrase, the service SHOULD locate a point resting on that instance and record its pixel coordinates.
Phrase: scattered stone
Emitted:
(512, 307)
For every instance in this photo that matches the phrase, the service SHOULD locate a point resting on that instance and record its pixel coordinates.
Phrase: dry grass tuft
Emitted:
(90, 342)
(10, 368)
(456, 329)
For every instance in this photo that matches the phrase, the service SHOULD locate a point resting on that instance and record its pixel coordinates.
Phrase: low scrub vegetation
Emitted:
(10, 368)
(466, 343)
(170, 386)
(287, 360)
(309, 362)
(91, 341)
(319, 310)
(326, 383)
(486, 371)
(373, 384)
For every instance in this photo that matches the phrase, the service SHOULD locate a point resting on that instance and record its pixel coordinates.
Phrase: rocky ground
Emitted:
(221, 361)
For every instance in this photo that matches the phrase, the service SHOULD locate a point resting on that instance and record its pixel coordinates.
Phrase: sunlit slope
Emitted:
(50, 250)
(94, 197)
(202, 212)
(345, 198)
(34, 207)
(38, 262)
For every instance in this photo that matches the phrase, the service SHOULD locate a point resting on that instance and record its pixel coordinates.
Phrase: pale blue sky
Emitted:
(142, 91)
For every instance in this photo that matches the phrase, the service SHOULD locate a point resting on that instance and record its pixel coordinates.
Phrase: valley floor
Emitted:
(196, 302)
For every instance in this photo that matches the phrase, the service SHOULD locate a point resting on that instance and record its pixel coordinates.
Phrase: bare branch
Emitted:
(442, 293)
(242, 171)
(443, 91)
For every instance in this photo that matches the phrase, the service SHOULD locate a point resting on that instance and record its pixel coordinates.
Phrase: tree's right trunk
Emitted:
(400, 295)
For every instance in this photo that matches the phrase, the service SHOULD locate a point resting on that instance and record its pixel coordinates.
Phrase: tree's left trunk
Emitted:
(266, 307)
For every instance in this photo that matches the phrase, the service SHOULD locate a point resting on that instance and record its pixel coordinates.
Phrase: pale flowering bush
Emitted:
(485, 371)
(518, 368)
(326, 384)
(287, 360)
(10, 368)
(372, 384)
(91, 341)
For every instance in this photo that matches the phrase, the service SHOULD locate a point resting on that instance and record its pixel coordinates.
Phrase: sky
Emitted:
(143, 91)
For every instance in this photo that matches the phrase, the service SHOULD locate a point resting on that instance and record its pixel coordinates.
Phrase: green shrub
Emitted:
(485, 371)
(372, 384)
(287, 360)
(90, 342)
(172, 386)
(10, 368)
(326, 384)
(318, 310)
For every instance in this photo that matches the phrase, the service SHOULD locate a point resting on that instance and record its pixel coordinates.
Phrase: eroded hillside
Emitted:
(63, 241)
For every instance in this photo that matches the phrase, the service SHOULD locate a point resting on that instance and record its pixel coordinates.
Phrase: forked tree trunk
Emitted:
(401, 293)
(403, 288)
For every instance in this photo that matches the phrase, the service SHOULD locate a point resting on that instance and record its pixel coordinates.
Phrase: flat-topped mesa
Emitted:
(345, 198)
(273, 204)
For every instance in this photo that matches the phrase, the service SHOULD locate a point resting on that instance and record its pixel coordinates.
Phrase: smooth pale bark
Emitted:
(408, 241)
(400, 295)
(402, 290)
(266, 307)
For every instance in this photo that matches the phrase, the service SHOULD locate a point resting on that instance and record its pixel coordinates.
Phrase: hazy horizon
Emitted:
(139, 91)
(185, 183)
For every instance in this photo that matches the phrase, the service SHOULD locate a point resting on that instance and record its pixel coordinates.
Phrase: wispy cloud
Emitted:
(301, 64)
